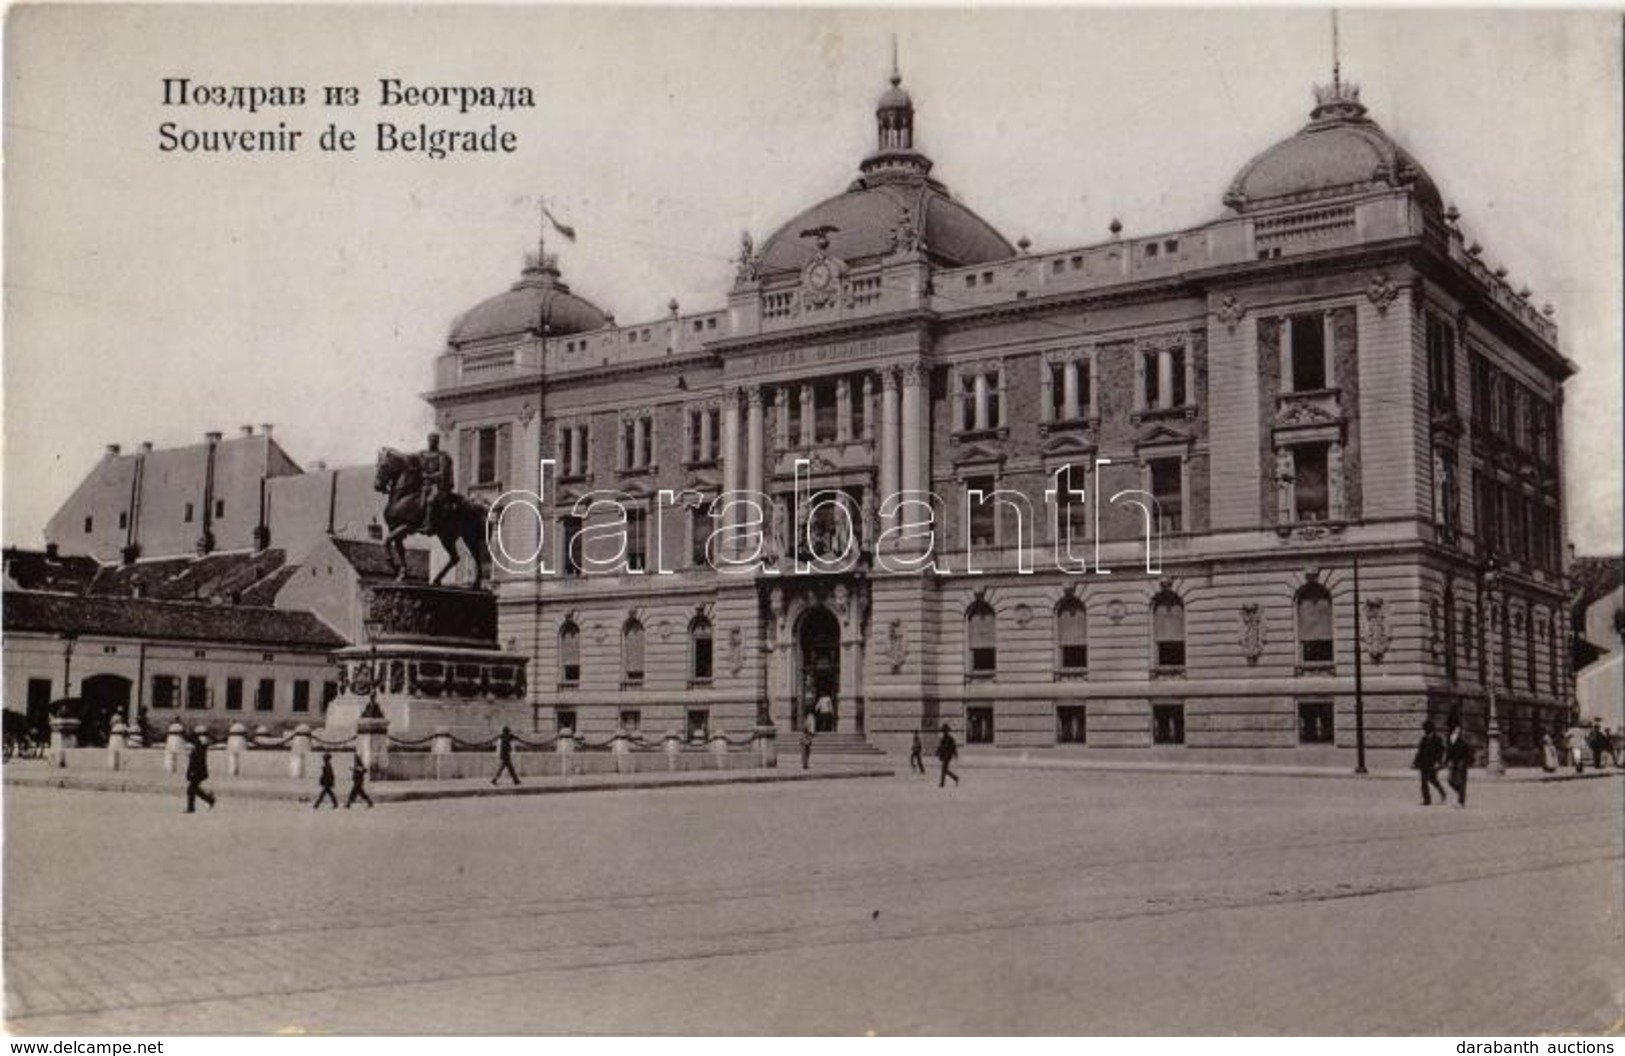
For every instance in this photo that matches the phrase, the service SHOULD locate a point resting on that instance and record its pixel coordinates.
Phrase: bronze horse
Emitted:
(400, 476)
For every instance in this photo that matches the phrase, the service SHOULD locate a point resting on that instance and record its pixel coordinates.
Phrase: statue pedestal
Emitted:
(433, 664)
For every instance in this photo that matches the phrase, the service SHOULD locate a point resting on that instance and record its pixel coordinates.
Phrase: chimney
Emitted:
(265, 427)
(113, 449)
(246, 430)
(212, 438)
(146, 447)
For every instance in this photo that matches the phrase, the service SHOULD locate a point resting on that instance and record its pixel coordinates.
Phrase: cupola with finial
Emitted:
(894, 122)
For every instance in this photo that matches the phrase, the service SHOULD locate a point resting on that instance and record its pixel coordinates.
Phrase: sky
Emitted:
(158, 296)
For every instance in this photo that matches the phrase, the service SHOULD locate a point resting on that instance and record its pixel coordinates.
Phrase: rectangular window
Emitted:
(1168, 723)
(1441, 363)
(1071, 724)
(265, 694)
(1315, 722)
(123, 519)
(485, 455)
(631, 720)
(564, 721)
(981, 405)
(39, 700)
(699, 724)
(637, 442)
(573, 451)
(186, 515)
(166, 690)
(979, 725)
(301, 695)
(984, 515)
(699, 535)
(219, 508)
(825, 406)
(1167, 487)
(1307, 344)
(702, 655)
(637, 539)
(1311, 484)
(197, 692)
(89, 524)
(1072, 512)
(1449, 514)
(570, 543)
(234, 694)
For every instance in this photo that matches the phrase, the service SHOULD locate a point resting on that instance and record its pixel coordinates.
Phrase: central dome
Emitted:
(894, 194)
(1340, 151)
(538, 301)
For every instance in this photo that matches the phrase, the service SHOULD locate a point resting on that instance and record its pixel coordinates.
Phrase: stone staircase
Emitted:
(834, 744)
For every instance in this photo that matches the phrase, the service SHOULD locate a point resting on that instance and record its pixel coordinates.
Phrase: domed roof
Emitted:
(539, 298)
(894, 201)
(1340, 151)
(863, 224)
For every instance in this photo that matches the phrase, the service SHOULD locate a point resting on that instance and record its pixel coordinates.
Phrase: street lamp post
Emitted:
(1488, 576)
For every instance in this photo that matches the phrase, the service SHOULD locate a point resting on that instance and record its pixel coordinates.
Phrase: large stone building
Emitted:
(1325, 391)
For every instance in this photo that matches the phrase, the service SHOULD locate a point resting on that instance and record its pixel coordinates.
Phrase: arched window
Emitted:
(1314, 625)
(1071, 636)
(632, 651)
(569, 654)
(982, 633)
(1168, 629)
(699, 650)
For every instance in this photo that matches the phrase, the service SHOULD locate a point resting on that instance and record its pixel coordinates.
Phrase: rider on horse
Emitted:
(439, 475)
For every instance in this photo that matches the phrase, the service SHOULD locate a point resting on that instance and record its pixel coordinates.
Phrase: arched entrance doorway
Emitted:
(103, 699)
(819, 677)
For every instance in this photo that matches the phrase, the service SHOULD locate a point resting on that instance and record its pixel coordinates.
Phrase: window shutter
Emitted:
(1168, 620)
(983, 633)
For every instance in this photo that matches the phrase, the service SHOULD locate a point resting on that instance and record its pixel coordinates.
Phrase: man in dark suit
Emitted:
(1429, 757)
(947, 749)
(358, 784)
(326, 783)
(197, 772)
(505, 756)
(1458, 756)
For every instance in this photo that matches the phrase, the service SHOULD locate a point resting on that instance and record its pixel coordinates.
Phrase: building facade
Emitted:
(1317, 443)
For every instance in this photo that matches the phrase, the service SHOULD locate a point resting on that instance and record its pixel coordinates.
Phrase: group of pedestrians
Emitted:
(1453, 754)
(947, 751)
(1577, 742)
(197, 772)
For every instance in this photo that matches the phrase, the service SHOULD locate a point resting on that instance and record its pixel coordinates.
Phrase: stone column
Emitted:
(979, 385)
(706, 438)
(731, 482)
(1165, 378)
(753, 440)
(843, 410)
(174, 747)
(890, 442)
(565, 748)
(868, 406)
(299, 751)
(913, 404)
(807, 432)
(640, 427)
(372, 744)
(1069, 395)
(781, 418)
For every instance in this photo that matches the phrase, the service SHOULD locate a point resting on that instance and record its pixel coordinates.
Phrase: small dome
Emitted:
(540, 298)
(1340, 151)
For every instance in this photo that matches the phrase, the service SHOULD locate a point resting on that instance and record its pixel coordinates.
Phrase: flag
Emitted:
(564, 229)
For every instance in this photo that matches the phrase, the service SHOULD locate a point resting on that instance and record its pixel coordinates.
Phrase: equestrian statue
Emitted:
(422, 499)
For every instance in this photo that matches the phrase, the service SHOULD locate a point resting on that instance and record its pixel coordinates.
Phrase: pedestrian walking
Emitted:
(1458, 756)
(1429, 757)
(1574, 742)
(807, 728)
(1548, 754)
(326, 781)
(947, 748)
(1597, 741)
(197, 772)
(916, 759)
(358, 784)
(505, 756)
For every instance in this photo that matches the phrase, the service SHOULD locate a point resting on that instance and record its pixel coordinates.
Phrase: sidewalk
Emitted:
(35, 774)
(978, 760)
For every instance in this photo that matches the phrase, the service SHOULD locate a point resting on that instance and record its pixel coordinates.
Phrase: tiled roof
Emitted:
(222, 577)
(370, 561)
(1595, 576)
(40, 612)
(40, 570)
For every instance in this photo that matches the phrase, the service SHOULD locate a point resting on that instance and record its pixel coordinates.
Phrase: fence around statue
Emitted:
(296, 755)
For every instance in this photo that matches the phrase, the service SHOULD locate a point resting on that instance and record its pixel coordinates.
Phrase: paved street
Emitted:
(1022, 902)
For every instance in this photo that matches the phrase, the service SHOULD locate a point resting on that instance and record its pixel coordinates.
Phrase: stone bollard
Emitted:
(622, 747)
(566, 747)
(719, 749)
(117, 744)
(767, 750)
(441, 750)
(299, 752)
(174, 747)
(64, 735)
(236, 745)
(372, 745)
(674, 748)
